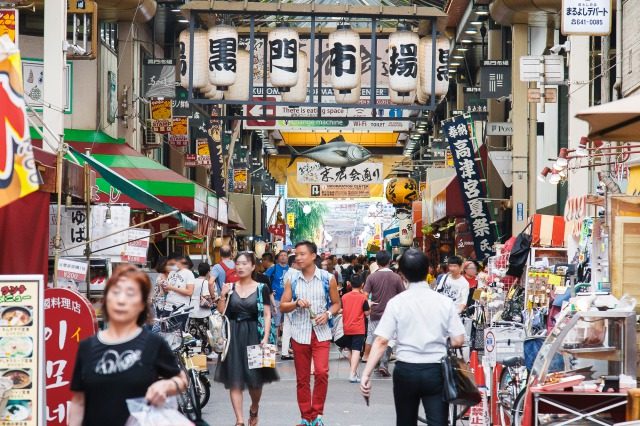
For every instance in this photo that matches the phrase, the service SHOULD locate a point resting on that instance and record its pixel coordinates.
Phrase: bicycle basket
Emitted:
(172, 334)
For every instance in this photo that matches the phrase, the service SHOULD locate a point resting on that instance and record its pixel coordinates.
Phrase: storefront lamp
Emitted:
(562, 162)
(542, 177)
(581, 151)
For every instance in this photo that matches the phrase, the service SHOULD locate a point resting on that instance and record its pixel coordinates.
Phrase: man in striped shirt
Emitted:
(311, 295)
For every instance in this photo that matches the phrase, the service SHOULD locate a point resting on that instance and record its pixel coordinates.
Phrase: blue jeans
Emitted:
(415, 383)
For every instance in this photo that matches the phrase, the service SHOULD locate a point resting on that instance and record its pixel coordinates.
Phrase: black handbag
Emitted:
(520, 252)
(459, 386)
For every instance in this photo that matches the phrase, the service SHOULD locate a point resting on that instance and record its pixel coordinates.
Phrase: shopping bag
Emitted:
(459, 386)
(143, 414)
(261, 356)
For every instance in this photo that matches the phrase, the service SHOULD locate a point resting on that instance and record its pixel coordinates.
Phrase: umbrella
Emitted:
(614, 121)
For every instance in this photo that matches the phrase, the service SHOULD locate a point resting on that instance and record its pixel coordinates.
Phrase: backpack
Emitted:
(326, 278)
(230, 273)
(273, 331)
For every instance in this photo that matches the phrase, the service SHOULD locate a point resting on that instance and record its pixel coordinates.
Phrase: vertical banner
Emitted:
(18, 174)
(458, 135)
(135, 251)
(215, 151)
(22, 349)
(69, 319)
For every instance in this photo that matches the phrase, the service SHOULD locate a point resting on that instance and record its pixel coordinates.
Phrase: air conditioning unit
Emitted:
(151, 140)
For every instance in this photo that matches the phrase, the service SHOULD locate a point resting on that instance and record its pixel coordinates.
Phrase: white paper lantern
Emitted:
(284, 45)
(200, 79)
(213, 93)
(239, 91)
(421, 95)
(350, 97)
(403, 60)
(397, 99)
(222, 55)
(406, 231)
(344, 45)
(425, 62)
(298, 93)
(260, 247)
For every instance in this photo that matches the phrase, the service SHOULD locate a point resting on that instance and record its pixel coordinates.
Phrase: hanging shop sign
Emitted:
(587, 17)
(180, 104)
(284, 45)
(363, 173)
(473, 103)
(214, 138)
(21, 344)
(18, 174)
(277, 230)
(495, 79)
(550, 95)
(190, 160)
(159, 78)
(71, 273)
(340, 191)
(161, 116)
(202, 150)
(9, 24)
(179, 136)
(69, 319)
(459, 137)
(33, 74)
(405, 224)
(499, 129)
(135, 251)
(73, 229)
(291, 220)
(240, 177)
(547, 69)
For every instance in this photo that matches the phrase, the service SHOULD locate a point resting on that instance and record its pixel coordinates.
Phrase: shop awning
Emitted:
(149, 175)
(134, 191)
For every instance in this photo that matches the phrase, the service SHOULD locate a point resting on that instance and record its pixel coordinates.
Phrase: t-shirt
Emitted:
(109, 374)
(456, 289)
(354, 304)
(276, 274)
(219, 274)
(201, 288)
(179, 279)
(382, 286)
(263, 279)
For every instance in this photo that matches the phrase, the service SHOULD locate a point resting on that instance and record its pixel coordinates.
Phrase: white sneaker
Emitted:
(212, 356)
(354, 379)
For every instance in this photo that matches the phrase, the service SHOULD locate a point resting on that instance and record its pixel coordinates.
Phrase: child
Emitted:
(354, 309)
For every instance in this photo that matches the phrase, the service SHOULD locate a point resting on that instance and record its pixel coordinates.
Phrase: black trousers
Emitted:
(415, 383)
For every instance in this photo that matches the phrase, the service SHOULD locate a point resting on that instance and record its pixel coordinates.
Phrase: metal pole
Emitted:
(87, 197)
(192, 28)
(58, 238)
(252, 45)
(374, 63)
(434, 75)
(312, 56)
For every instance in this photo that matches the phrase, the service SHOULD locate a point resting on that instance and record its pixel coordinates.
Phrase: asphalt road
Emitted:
(344, 407)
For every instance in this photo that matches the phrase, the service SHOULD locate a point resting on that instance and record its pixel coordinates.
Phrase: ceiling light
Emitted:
(457, 56)
(478, 23)
(184, 21)
(175, 10)
(466, 40)
(471, 31)
(453, 71)
(415, 136)
(454, 64)
(462, 49)
(482, 11)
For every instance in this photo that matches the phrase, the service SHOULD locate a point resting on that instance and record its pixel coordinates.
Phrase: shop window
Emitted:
(109, 35)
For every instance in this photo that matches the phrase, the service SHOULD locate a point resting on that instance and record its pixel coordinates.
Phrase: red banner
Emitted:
(279, 230)
(69, 318)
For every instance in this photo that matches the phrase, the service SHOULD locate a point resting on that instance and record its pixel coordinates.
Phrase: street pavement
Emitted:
(344, 407)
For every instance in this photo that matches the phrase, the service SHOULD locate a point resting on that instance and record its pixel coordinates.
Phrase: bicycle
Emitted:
(171, 330)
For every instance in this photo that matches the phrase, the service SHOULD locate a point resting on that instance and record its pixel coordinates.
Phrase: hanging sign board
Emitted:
(159, 78)
(9, 24)
(190, 160)
(240, 180)
(340, 191)
(179, 136)
(363, 173)
(74, 270)
(291, 220)
(499, 129)
(135, 251)
(587, 17)
(202, 149)
(22, 349)
(460, 142)
(161, 116)
(70, 318)
(495, 79)
(546, 69)
(550, 95)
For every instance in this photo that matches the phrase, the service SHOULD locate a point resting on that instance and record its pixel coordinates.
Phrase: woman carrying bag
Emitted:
(246, 304)
(124, 361)
(201, 304)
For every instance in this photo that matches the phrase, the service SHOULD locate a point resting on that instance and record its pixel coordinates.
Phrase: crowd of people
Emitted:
(369, 307)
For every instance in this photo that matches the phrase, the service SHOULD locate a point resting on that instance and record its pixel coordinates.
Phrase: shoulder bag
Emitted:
(205, 301)
(219, 333)
(520, 252)
(459, 386)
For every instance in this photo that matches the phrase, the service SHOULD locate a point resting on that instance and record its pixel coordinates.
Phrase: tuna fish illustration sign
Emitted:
(336, 153)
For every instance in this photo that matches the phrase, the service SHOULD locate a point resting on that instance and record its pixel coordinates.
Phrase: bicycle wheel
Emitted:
(518, 408)
(188, 401)
(203, 389)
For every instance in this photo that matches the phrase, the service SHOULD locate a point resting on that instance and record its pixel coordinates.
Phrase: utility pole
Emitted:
(55, 26)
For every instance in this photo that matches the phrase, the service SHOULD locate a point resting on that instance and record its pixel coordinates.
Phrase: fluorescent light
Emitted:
(462, 49)
(457, 56)
(175, 10)
(466, 40)
(185, 21)
(454, 64)
(471, 31)
(482, 11)
(478, 23)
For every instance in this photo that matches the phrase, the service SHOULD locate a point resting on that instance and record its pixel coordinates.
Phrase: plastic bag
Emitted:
(143, 414)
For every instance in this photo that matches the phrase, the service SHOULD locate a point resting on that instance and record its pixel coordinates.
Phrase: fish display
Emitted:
(335, 153)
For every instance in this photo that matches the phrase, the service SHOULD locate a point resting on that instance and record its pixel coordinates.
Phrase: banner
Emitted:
(159, 78)
(179, 136)
(135, 251)
(9, 24)
(240, 180)
(458, 135)
(18, 174)
(71, 273)
(202, 150)
(215, 151)
(316, 173)
(161, 117)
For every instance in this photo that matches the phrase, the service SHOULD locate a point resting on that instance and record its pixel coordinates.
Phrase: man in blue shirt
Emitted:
(276, 276)
(220, 270)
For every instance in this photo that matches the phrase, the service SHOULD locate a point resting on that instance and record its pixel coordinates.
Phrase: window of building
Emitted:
(109, 35)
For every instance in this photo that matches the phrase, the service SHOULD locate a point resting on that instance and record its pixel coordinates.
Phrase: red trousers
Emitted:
(311, 407)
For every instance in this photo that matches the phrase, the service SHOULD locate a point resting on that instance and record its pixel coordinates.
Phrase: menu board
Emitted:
(21, 349)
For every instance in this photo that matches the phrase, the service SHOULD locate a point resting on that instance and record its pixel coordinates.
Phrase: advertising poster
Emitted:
(135, 251)
(363, 173)
(240, 180)
(179, 136)
(71, 273)
(21, 349)
(9, 24)
(190, 160)
(33, 74)
(161, 116)
(202, 150)
(69, 319)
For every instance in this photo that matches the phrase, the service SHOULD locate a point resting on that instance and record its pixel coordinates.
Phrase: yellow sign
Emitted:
(291, 220)
(555, 279)
(161, 116)
(9, 23)
(240, 180)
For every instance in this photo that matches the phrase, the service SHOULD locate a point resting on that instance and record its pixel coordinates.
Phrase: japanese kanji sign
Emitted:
(459, 137)
(135, 251)
(495, 79)
(69, 269)
(586, 17)
(21, 337)
(363, 173)
(161, 116)
(159, 78)
(179, 136)
(69, 319)
(9, 24)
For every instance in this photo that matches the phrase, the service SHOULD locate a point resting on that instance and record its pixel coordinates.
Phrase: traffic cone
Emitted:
(476, 368)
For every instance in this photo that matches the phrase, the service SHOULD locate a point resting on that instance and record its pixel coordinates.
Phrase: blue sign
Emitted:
(458, 135)
(519, 212)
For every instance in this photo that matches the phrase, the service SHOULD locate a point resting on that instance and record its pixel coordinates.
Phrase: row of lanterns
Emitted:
(222, 70)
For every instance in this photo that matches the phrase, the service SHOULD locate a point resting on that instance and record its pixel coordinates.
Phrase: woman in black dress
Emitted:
(249, 312)
(125, 360)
